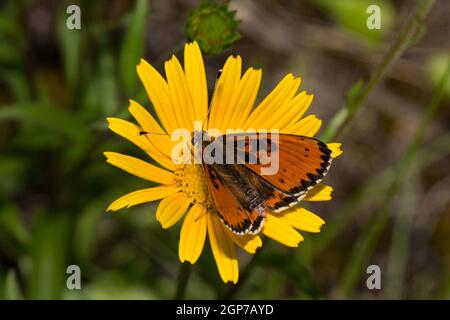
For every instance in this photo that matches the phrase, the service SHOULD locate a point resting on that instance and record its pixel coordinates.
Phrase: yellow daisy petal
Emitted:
(142, 196)
(223, 250)
(226, 86)
(247, 242)
(302, 219)
(158, 93)
(280, 231)
(130, 132)
(308, 127)
(171, 209)
(180, 95)
(193, 234)
(196, 79)
(335, 148)
(241, 104)
(319, 193)
(157, 135)
(140, 168)
(283, 92)
(291, 111)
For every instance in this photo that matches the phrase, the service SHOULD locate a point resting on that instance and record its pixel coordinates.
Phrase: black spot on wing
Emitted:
(256, 224)
(305, 184)
(325, 151)
(320, 172)
(313, 177)
(285, 203)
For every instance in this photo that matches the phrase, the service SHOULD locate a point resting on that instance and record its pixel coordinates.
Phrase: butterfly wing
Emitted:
(241, 194)
(302, 164)
(237, 203)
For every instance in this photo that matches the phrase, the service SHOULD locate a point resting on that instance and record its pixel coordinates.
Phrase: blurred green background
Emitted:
(57, 86)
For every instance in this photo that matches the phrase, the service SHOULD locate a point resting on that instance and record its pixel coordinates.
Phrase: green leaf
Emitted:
(108, 84)
(12, 170)
(133, 46)
(435, 69)
(8, 53)
(49, 117)
(112, 285)
(71, 44)
(17, 83)
(12, 288)
(87, 229)
(294, 271)
(361, 252)
(352, 15)
(9, 25)
(49, 257)
(11, 223)
(399, 251)
(12, 38)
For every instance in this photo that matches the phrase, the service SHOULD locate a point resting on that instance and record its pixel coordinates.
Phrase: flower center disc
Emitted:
(191, 179)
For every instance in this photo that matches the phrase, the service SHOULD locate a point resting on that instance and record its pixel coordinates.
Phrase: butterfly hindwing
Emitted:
(236, 202)
(272, 198)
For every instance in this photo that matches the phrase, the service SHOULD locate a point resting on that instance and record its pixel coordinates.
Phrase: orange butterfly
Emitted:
(241, 194)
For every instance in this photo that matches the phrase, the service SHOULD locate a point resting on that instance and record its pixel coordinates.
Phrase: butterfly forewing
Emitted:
(302, 164)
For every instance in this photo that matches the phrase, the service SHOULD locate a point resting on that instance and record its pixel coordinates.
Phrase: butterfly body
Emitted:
(242, 194)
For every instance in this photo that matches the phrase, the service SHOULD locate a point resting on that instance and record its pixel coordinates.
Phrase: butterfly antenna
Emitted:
(141, 133)
(206, 120)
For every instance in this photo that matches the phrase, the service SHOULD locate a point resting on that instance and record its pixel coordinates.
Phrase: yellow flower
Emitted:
(182, 189)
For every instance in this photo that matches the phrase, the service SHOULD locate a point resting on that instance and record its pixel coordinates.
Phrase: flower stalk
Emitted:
(360, 94)
(367, 242)
(183, 279)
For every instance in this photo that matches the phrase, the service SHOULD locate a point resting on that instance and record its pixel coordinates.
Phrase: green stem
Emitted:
(232, 291)
(369, 193)
(366, 244)
(398, 254)
(345, 117)
(183, 279)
